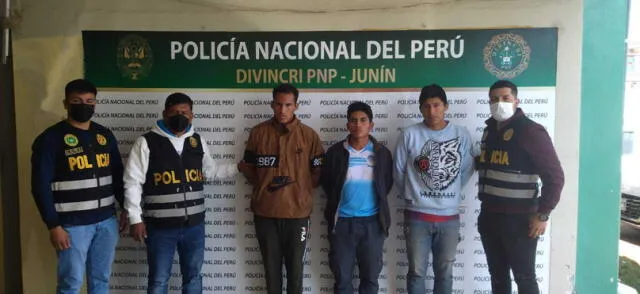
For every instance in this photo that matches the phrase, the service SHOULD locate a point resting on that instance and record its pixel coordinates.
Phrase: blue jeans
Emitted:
(438, 238)
(161, 247)
(92, 251)
(360, 238)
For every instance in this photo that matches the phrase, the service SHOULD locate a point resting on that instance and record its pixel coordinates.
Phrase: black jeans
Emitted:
(507, 245)
(282, 238)
(358, 238)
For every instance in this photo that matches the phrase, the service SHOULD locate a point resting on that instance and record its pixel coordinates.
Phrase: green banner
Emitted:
(336, 59)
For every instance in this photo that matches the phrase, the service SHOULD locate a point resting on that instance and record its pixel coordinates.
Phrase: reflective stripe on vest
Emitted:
(81, 184)
(516, 185)
(178, 197)
(85, 205)
(508, 193)
(174, 212)
(510, 177)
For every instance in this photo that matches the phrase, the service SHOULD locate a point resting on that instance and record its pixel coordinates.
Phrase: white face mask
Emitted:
(502, 111)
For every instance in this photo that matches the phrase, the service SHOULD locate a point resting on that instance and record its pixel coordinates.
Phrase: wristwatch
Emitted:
(543, 217)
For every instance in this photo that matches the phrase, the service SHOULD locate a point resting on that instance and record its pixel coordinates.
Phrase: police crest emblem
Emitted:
(71, 140)
(508, 134)
(506, 56)
(101, 139)
(134, 57)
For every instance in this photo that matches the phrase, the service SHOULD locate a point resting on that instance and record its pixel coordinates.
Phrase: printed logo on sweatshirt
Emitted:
(279, 182)
(438, 163)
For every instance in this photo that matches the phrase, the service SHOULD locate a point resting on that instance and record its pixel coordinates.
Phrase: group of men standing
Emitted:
(78, 176)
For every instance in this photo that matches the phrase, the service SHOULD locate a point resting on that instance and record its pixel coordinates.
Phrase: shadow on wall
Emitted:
(37, 255)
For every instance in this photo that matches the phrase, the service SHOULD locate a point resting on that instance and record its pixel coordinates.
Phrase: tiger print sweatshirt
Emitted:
(431, 167)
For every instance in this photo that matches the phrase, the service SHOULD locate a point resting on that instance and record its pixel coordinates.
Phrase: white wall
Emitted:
(48, 53)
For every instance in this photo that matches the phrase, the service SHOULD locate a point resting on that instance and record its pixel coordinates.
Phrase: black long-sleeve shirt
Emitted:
(45, 151)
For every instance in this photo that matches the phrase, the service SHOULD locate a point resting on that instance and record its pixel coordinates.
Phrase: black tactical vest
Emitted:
(82, 182)
(173, 191)
(507, 174)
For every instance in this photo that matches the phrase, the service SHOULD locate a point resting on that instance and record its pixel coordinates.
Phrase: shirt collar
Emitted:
(285, 128)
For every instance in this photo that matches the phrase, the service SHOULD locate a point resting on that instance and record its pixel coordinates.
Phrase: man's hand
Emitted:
(248, 170)
(244, 167)
(536, 226)
(138, 232)
(59, 238)
(124, 221)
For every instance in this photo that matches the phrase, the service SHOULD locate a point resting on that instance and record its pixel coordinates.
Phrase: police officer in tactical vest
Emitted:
(164, 180)
(76, 178)
(516, 154)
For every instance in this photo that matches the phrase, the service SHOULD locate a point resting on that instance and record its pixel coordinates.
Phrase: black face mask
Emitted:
(80, 112)
(178, 123)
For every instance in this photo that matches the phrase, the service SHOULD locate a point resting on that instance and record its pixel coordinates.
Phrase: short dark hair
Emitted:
(79, 86)
(177, 98)
(360, 106)
(433, 91)
(505, 84)
(286, 89)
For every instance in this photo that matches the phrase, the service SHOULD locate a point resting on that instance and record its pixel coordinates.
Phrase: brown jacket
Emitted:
(287, 160)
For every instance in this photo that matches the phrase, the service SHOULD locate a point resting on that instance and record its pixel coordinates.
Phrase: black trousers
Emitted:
(507, 245)
(280, 239)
